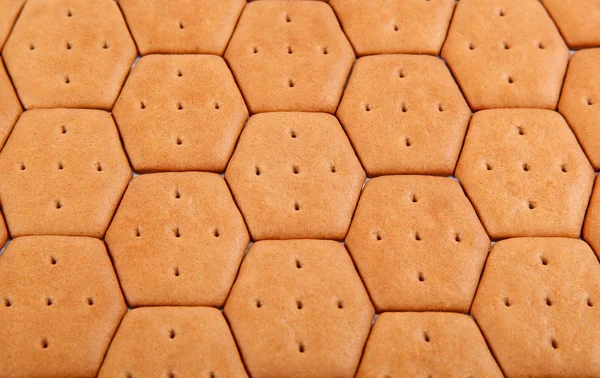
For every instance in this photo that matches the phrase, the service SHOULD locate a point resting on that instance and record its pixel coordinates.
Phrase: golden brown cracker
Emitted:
(305, 305)
(289, 56)
(295, 175)
(62, 172)
(177, 240)
(525, 173)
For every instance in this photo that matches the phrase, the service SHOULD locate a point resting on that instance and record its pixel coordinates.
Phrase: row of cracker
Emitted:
(298, 308)
(293, 55)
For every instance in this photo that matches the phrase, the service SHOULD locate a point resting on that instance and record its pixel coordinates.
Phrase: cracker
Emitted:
(177, 239)
(591, 227)
(578, 21)
(417, 244)
(69, 53)
(9, 11)
(11, 106)
(191, 123)
(290, 56)
(506, 54)
(181, 26)
(525, 173)
(580, 101)
(305, 303)
(392, 27)
(537, 307)
(426, 344)
(173, 342)
(295, 175)
(62, 172)
(404, 114)
(60, 306)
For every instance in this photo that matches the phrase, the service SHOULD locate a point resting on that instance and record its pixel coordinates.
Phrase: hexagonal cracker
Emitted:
(506, 54)
(525, 173)
(426, 344)
(182, 334)
(305, 303)
(295, 175)
(61, 305)
(62, 172)
(404, 114)
(177, 239)
(9, 11)
(580, 101)
(11, 106)
(290, 56)
(417, 244)
(536, 307)
(578, 21)
(69, 53)
(181, 26)
(392, 27)
(192, 123)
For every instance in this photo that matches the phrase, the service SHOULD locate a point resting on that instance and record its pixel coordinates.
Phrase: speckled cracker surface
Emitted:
(9, 11)
(181, 26)
(391, 26)
(177, 239)
(69, 53)
(290, 56)
(525, 173)
(11, 106)
(578, 21)
(428, 344)
(305, 303)
(506, 54)
(61, 305)
(417, 244)
(295, 175)
(537, 306)
(404, 114)
(62, 172)
(173, 342)
(191, 123)
(580, 101)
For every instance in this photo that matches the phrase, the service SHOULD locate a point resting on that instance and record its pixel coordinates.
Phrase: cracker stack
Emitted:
(292, 188)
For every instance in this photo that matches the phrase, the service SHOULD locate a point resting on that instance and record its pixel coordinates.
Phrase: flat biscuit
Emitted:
(578, 21)
(191, 123)
(298, 309)
(537, 307)
(9, 11)
(177, 239)
(591, 226)
(394, 26)
(506, 54)
(173, 342)
(290, 56)
(580, 101)
(427, 344)
(295, 175)
(525, 173)
(11, 106)
(60, 305)
(181, 26)
(69, 54)
(404, 114)
(417, 244)
(62, 172)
